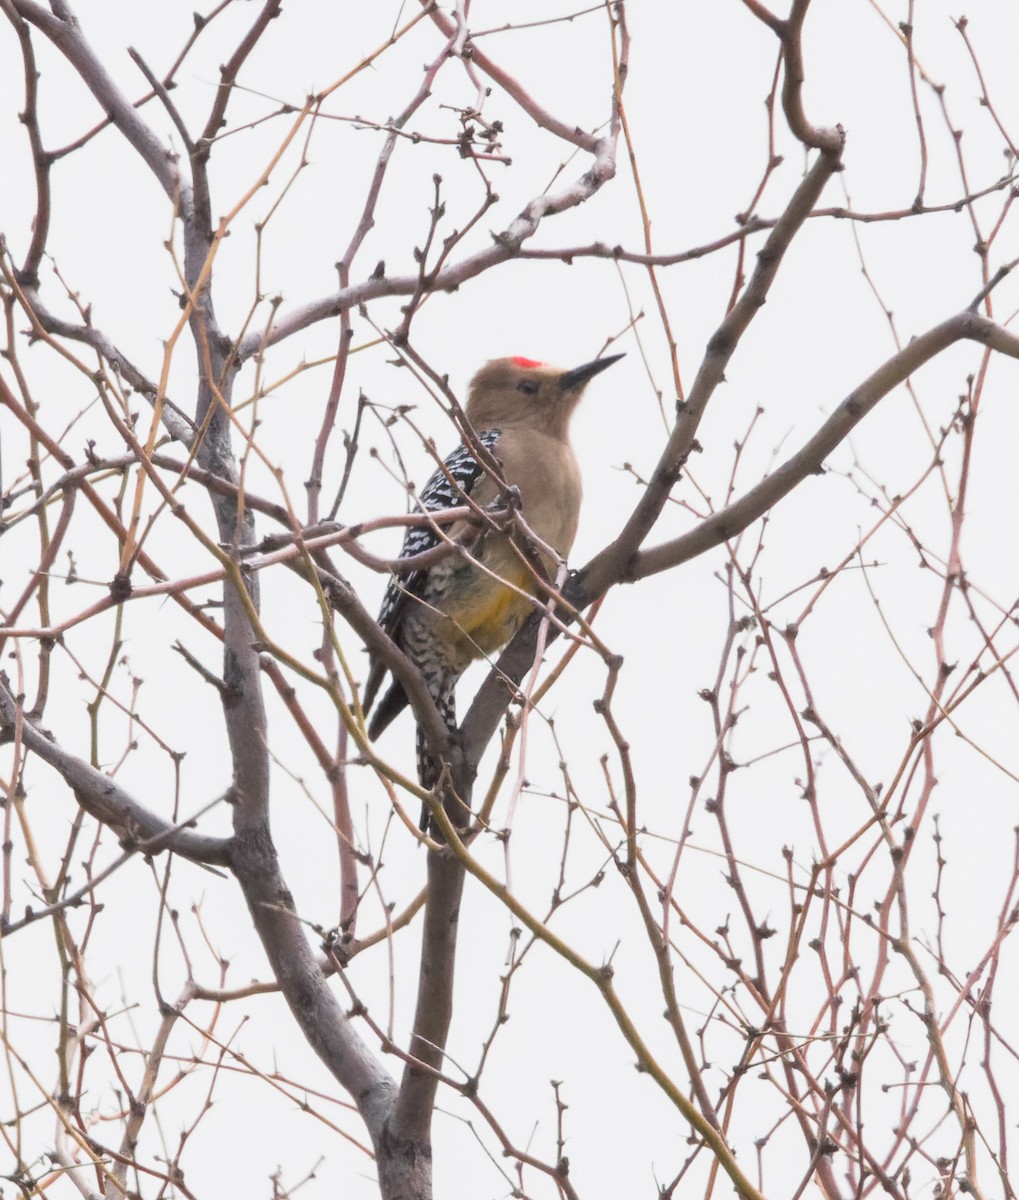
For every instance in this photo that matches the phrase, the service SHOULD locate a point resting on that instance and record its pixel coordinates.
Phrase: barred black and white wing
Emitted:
(446, 489)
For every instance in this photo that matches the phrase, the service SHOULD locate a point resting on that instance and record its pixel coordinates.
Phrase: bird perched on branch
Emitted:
(471, 602)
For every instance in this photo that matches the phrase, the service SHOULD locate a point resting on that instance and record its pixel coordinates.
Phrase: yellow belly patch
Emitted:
(489, 613)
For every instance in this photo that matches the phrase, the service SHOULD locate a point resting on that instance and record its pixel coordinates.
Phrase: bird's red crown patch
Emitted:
(526, 362)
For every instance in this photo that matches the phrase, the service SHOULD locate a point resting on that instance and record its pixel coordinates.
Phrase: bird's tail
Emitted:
(390, 706)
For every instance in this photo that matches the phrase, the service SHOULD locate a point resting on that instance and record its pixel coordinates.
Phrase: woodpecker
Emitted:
(467, 606)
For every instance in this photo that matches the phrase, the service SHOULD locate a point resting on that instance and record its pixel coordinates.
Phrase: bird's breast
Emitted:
(544, 472)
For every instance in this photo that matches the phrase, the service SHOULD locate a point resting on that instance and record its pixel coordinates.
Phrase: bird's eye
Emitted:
(527, 386)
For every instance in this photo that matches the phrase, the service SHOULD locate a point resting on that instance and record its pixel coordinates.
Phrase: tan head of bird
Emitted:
(509, 391)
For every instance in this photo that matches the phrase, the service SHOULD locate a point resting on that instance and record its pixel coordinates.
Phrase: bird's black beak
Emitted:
(580, 375)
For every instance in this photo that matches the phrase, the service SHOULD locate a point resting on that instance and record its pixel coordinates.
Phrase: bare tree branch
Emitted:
(63, 29)
(104, 798)
(809, 459)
